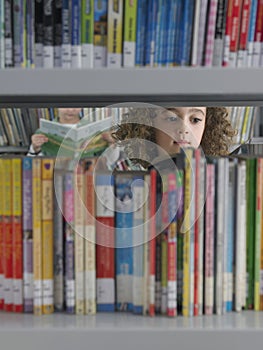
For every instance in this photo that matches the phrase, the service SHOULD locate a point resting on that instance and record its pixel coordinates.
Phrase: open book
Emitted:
(82, 139)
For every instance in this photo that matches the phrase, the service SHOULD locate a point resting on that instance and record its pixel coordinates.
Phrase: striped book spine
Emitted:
(87, 33)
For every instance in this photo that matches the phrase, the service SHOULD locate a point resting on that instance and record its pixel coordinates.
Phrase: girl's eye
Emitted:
(196, 120)
(171, 118)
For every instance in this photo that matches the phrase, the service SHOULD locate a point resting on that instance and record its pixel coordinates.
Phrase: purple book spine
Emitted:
(27, 235)
(69, 242)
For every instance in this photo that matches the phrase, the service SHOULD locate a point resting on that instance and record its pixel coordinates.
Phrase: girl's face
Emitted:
(180, 127)
(69, 115)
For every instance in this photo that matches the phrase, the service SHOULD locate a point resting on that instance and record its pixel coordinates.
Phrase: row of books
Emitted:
(100, 33)
(183, 239)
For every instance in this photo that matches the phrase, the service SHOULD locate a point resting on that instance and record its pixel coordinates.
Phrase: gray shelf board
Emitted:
(117, 331)
(102, 87)
(13, 149)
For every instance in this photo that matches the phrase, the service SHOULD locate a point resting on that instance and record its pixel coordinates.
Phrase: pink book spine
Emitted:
(172, 256)
(209, 241)
(210, 35)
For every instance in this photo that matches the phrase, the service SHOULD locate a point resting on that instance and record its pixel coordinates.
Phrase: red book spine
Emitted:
(105, 239)
(234, 34)
(258, 35)
(1, 235)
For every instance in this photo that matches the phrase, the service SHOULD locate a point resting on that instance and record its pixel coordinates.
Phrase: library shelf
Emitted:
(103, 87)
(13, 149)
(126, 331)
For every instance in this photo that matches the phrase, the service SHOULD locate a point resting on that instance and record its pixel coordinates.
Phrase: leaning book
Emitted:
(76, 140)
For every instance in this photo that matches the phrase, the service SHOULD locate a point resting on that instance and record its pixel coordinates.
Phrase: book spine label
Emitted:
(48, 34)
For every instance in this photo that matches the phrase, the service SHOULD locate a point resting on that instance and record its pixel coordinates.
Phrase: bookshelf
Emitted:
(118, 331)
(101, 87)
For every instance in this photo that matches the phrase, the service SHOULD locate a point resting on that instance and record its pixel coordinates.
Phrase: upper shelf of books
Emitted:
(103, 87)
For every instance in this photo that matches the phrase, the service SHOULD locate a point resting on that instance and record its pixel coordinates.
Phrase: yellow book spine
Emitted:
(47, 235)
(37, 238)
(114, 39)
(89, 245)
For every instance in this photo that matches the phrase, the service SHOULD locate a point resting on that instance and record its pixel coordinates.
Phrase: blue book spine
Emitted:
(186, 35)
(179, 20)
(150, 32)
(124, 241)
(251, 31)
(138, 250)
(30, 33)
(140, 33)
(171, 31)
(75, 34)
(163, 33)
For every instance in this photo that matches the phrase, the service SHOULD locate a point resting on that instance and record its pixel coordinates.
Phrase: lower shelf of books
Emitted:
(127, 331)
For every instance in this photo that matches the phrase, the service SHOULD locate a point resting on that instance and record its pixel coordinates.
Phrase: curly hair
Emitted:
(137, 125)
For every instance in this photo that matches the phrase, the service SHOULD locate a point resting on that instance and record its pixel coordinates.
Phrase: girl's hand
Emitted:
(37, 141)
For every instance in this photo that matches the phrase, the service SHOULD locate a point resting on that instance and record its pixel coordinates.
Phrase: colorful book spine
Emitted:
(16, 164)
(129, 34)
(230, 237)
(39, 33)
(66, 34)
(210, 34)
(30, 33)
(137, 243)
(76, 34)
(235, 25)
(47, 235)
(28, 278)
(87, 33)
(209, 241)
(251, 31)
(105, 242)
(196, 230)
(7, 236)
(114, 31)
(151, 24)
(90, 241)
(243, 35)
(79, 195)
(68, 210)
(123, 239)
(172, 248)
(48, 34)
(100, 33)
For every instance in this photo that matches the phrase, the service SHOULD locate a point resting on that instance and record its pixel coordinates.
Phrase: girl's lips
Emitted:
(182, 143)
